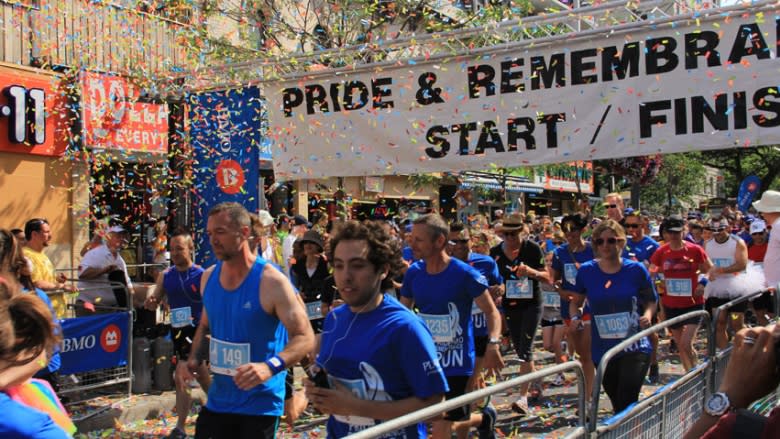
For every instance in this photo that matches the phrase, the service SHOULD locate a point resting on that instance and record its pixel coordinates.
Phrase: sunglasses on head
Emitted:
(458, 241)
(601, 241)
(633, 226)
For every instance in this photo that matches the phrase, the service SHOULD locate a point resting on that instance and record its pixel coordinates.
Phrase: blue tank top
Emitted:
(183, 289)
(236, 316)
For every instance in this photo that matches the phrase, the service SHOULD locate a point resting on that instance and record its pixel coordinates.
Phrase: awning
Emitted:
(494, 183)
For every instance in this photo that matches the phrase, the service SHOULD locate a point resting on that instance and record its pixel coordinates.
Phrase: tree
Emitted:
(679, 179)
(738, 163)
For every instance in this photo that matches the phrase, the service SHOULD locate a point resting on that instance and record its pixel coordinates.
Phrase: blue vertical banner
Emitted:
(226, 140)
(748, 189)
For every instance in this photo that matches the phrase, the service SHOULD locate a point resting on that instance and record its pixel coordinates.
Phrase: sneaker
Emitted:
(559, 380)
(487, 429)
(653, 375)
(521, 406)
(177, 433)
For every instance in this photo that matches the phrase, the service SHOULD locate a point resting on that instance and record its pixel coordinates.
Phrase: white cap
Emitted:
(116, 229)
(265, 218)
(757, 226)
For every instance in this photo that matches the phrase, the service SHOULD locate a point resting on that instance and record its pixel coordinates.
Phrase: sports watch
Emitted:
(717, 404)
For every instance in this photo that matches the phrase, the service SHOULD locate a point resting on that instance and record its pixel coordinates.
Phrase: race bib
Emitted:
(181, 317)
(314, 310)
(722, 262)
(519, 289)
(678, 287)
(551, 299)
(613, 326)
(440, 327)
(570, 273)
(225, 357)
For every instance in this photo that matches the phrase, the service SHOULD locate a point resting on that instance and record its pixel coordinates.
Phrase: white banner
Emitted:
(704, 83)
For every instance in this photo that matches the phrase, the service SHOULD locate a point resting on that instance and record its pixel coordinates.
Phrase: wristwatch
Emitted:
(717, 404)
(494, 341)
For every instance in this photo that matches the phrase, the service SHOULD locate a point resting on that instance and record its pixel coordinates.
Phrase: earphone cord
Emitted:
(333, 346)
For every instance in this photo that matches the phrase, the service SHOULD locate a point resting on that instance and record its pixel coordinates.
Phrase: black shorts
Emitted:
(182, 341)
(676, 312)
(547, 323)
(714, 302)
(523, 321)
(457, 385)
(213, 425)
(289, 384)
(480, 344)
(764, 302)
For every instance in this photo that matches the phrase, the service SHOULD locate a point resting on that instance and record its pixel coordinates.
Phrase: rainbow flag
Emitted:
(39, 395)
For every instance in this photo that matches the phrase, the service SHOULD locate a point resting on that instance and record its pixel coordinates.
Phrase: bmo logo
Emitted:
(111, 338)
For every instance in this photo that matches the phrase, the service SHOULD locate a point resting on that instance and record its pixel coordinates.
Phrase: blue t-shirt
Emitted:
(386, 354)
(642, 250)
(55, 361)
(615, 305)
(564, 264)
(488, 268)
(19, 421)
(444, 303)
(407, 254)
(183, 291)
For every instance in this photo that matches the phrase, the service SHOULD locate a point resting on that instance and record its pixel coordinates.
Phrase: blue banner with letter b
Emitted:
(747, 190)
(94, 342)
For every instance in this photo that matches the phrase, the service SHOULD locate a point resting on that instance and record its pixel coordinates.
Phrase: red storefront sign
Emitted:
(33, 112)
(114, 119)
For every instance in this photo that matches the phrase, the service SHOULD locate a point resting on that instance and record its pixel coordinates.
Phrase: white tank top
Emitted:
(722, 255)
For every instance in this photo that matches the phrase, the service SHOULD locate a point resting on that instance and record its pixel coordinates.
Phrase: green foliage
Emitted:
(679, 179)
(738, 163)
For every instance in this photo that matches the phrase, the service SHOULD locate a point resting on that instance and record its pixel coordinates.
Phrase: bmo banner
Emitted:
(95, 342)
(225, 131)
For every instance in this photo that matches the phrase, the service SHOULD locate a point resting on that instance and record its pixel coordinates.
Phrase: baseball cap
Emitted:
(299, 220)
(757, 226)
(265, 218)
(116, 229)
(673, 223)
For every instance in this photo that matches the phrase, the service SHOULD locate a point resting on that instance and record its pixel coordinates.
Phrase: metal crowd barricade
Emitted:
(93, 379)
(720, 358)
(669, 411)
(438, 409)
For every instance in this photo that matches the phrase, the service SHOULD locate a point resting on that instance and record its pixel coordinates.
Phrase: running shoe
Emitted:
(177, 433)
(487, 429)
(521, 406)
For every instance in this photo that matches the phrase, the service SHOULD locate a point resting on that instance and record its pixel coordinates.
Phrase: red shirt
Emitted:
(724, 428)
(756, 252)
(680, 267)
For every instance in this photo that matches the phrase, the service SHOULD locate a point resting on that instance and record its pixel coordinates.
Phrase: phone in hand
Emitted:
(320, 379)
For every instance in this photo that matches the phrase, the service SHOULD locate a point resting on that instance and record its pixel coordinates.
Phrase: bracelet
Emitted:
(276, 364)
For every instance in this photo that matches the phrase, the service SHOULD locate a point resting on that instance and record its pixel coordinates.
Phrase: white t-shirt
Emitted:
(772, 257)
(89, 290)
(287, 251)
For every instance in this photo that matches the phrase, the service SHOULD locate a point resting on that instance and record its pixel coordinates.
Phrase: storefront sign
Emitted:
(114, 119)
(697, 82)
(33, 113)
(563, 177)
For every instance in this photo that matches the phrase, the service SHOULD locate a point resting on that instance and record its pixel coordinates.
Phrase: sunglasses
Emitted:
(757, 233)
(716, 229)
(601, 241)
(633, 226)
(458, 241)
(611, 206)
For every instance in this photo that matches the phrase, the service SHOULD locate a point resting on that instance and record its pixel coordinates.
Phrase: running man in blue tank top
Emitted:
(379, 357)
(181, 285)
(250, 309)
(443, 289)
